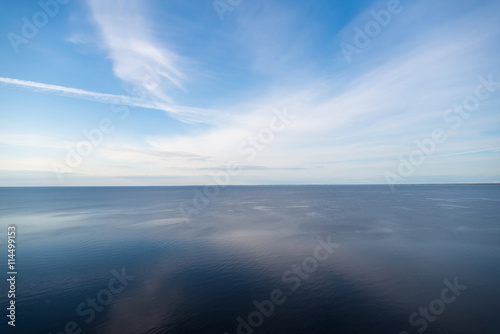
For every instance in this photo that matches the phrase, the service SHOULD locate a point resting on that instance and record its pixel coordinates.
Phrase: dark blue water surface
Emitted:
(396, 254)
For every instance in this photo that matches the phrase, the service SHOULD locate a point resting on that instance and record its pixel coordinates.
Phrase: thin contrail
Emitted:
(185, 114)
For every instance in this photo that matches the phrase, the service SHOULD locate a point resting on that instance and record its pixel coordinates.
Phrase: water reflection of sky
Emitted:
(396, 250)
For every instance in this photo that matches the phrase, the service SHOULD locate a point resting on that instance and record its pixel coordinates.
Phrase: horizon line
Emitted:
(276, 185)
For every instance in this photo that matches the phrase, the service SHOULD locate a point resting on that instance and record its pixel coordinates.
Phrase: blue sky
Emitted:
(185, 88)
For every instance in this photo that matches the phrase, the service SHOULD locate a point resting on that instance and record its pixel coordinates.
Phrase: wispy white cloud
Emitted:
(369, 116)
(128, 38)
(142, 60)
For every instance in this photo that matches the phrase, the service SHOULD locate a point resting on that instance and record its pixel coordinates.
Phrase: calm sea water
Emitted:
(251, 260)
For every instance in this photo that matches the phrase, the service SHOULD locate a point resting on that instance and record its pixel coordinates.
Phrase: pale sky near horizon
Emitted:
(185, 88)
